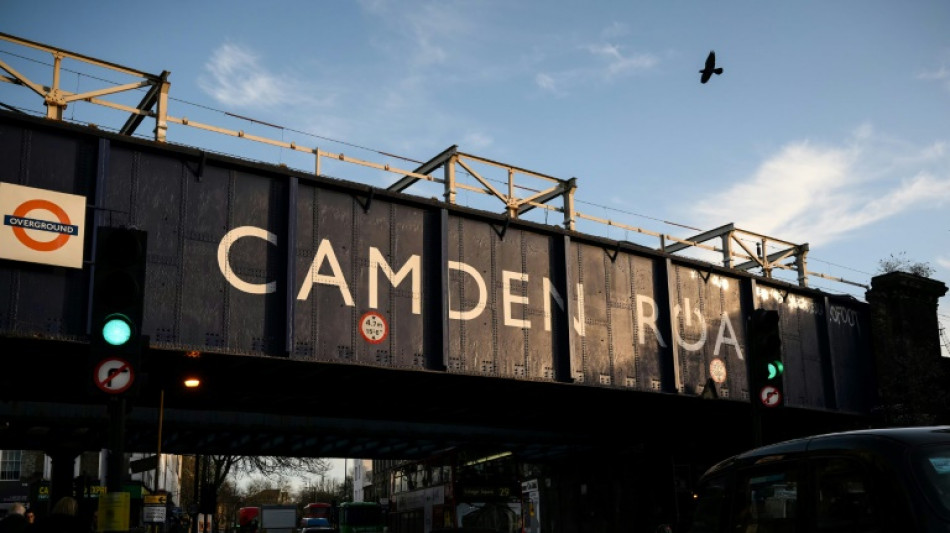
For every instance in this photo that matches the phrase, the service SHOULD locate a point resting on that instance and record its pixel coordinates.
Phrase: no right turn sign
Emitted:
(114, 375)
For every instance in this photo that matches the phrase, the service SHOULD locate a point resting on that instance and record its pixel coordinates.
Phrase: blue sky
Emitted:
(829, 125)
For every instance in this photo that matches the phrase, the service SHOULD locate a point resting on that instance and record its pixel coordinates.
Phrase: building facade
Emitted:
(25, 478)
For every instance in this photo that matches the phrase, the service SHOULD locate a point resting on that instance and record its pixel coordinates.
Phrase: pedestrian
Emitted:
(14, 522)
(63, 518)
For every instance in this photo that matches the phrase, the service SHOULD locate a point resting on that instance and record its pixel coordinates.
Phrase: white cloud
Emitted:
(934, 151)
(546, 82)
(922, 190)
(235, 76)
(476, 141)
(609, 62)
(422, 35)
(943, 261)
(617, 62)
(615, 30)
(437, 30)
(819, 194)
(941, 73)
(863, 131)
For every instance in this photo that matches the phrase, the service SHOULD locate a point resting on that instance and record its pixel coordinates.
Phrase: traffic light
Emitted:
(766, 369)
(118, 296)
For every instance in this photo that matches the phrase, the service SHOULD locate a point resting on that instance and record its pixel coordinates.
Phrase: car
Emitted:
(872, 480)
(463, 530)
(315, 525)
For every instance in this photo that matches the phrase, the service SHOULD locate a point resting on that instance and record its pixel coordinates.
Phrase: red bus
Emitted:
(457, 489)
(249, 519)
(318, 510)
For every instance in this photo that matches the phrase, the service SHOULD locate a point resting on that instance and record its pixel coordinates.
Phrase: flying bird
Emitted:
(710, 68)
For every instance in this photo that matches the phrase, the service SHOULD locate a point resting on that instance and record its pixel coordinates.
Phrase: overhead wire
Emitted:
(380, 152)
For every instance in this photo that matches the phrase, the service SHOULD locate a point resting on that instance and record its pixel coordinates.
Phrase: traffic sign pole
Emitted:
(115, 462)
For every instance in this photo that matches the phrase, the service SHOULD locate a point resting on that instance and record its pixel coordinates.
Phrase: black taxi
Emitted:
(867, 481)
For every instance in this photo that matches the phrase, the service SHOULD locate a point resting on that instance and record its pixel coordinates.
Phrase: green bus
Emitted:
(361, 517)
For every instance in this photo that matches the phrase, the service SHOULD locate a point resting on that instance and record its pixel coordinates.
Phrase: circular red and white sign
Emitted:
(114, 375)
(717, 370)
(770, 396)
(373, 327)
(45, 205)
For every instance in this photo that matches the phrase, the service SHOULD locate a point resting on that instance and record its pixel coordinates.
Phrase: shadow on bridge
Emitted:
(249, 405)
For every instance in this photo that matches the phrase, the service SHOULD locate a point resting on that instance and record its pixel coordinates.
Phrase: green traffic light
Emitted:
(776, 368)
(117, 330)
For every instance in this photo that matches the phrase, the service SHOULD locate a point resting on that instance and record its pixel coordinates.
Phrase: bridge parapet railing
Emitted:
(56, 97)
(516, 198)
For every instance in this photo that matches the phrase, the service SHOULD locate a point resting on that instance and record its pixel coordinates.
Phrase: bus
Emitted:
(361, 517)
(457, 489)
(249, 520)
(319, 510)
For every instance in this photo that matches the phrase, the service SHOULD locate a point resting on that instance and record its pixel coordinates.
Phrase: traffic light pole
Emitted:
(115, 329)
(159, 486)
(756, 421)
(197, 492)
(115, 463)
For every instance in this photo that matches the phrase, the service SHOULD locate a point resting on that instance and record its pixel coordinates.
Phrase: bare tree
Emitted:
(216, 470)
(222, 467)
(346, 489)
(262, 491)
(229, 501)
(319, 490)
(900, 263)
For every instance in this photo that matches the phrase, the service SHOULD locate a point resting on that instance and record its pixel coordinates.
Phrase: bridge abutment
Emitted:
(905, 344)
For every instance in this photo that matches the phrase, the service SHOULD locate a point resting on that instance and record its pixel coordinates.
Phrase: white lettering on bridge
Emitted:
(325, 270)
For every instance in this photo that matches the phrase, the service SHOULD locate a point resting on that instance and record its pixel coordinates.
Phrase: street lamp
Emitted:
(191, 379)
(190, 382)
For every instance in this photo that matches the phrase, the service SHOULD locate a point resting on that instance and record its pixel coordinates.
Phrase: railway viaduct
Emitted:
(329, 318)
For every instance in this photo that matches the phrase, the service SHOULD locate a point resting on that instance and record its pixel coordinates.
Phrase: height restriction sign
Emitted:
(114, 375)
(373, 327)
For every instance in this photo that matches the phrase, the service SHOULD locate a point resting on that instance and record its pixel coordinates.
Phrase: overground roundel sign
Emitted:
(114, 375)
(25, 208)
(373, 327)
(41, 226)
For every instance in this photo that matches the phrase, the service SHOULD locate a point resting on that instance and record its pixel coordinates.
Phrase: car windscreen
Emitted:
(711, 500)
(933, 465)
